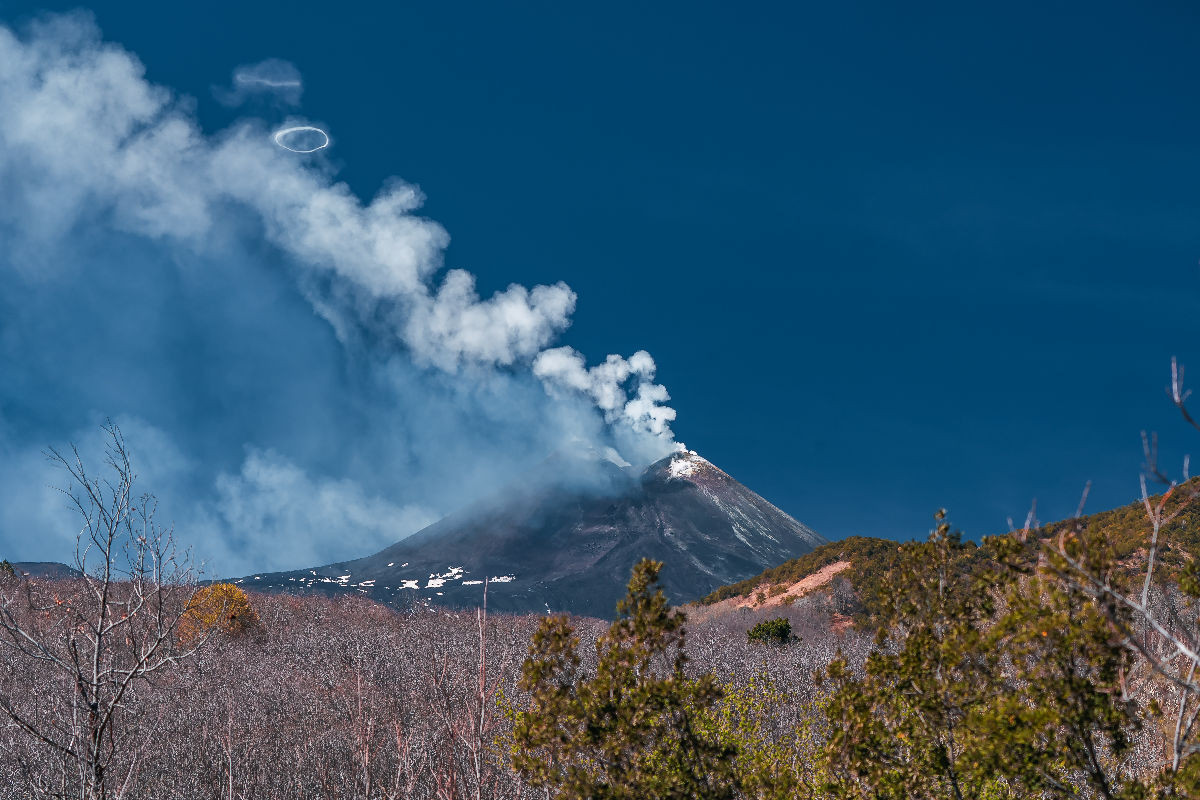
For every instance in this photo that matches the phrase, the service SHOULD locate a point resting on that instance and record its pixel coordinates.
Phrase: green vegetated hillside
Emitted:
(869, 558)
(1010, 669)
(1125, 531)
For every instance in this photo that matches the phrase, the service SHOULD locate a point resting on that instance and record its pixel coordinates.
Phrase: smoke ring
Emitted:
(280, 134)
(239, 79)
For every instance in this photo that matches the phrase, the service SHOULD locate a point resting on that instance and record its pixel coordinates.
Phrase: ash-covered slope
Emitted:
(571, 547)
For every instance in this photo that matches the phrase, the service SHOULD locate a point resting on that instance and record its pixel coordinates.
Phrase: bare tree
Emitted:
(100, 640)
(464, 704)
(1152, 622)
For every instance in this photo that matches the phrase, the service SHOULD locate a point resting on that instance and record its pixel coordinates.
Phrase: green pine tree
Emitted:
(1061, 727)
(993, 678)
(905, 728)
(633, 729)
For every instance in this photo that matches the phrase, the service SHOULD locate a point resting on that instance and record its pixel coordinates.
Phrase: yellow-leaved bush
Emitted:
(220, 607)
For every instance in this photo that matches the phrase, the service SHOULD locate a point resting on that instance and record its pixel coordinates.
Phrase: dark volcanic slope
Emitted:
(567, 549)
(44, 569)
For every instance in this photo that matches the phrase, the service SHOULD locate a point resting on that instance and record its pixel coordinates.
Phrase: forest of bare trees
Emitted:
(338, 698)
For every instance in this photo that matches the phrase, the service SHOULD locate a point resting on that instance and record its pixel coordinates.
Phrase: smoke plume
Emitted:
(297, 372)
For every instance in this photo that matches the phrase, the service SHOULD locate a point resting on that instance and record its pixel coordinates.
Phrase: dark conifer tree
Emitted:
(630, 731)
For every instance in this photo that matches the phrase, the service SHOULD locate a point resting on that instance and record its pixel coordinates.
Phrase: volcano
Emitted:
(567, 538)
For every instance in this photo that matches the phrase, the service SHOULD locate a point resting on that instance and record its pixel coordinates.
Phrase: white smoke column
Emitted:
(454, 326)
(624, 389)
(84, 136)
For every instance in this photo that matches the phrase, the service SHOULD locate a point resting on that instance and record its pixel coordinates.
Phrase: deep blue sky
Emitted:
(887, 259)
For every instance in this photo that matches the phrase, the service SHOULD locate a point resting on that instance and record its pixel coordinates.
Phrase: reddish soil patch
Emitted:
(798, 589)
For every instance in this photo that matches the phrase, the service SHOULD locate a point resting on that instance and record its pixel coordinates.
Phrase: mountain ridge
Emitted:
(1123, 529)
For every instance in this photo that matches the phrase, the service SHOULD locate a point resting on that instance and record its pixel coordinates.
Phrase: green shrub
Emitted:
(772, 631)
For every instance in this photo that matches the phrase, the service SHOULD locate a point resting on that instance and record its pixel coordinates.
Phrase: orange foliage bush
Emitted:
(220, 607)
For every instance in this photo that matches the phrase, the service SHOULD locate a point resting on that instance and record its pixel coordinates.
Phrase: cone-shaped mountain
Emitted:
(566, 538)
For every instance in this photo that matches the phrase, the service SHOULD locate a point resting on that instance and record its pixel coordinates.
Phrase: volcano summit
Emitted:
(569, 544)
